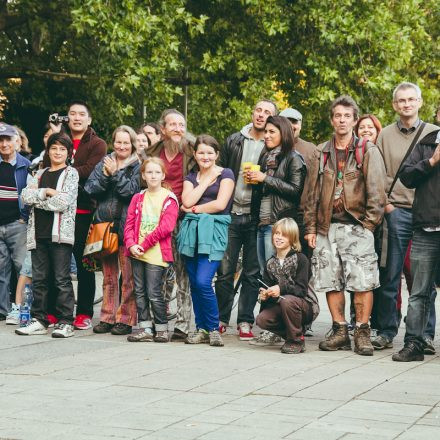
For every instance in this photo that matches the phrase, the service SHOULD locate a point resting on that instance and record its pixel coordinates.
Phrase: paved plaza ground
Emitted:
(102, 387)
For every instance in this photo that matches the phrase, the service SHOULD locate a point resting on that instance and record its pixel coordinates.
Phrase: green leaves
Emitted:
(228, 53)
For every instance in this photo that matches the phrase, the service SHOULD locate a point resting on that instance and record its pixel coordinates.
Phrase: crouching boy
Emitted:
(287, 305)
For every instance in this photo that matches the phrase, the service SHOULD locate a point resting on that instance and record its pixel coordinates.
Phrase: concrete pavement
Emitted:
(102, 387)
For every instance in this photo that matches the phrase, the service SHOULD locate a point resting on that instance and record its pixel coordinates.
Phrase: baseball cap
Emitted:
(7, 130)
(291, 113)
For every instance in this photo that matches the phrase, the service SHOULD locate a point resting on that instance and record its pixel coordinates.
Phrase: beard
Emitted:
(259, 129)
(174, 147)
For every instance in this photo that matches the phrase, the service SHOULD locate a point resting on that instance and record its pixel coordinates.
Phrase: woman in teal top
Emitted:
(202, 239)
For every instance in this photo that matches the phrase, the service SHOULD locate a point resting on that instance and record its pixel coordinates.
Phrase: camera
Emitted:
(55, 118)
(33, 167)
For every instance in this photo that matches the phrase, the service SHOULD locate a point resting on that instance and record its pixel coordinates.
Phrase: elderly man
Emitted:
(13, 214)
(396, 141)
(177, 154)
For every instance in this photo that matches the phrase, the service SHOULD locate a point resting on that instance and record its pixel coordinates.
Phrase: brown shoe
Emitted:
(161, 336)
(362, 341)
(336, 339)
(293, 347)
(178, 336)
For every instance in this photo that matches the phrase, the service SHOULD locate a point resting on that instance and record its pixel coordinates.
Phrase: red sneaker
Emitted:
(82, 322)
(52, 320)
(222, 329)
(245, 332)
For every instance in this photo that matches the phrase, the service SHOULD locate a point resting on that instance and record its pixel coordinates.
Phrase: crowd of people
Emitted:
(348, 216)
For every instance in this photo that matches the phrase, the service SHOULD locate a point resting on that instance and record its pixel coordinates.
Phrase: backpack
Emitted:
(359, 153)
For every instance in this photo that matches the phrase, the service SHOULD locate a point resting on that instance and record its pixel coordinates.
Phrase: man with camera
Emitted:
(13, 214)
(88, 150)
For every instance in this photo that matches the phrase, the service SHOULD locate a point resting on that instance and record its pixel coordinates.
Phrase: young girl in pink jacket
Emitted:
(151, 218)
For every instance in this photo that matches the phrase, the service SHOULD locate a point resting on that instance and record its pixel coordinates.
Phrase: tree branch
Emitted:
(10, 21)
(59, 76)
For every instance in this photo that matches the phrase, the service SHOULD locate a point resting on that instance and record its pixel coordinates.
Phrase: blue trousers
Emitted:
(400, 232)
(425, 255)
(12, 252)
(265, 248)
(201, 272)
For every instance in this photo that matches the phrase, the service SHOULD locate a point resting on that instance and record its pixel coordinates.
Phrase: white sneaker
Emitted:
(33, 327)
(13, 317)
(63, 331)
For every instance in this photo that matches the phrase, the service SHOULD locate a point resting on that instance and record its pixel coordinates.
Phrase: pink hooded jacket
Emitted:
(163, 231)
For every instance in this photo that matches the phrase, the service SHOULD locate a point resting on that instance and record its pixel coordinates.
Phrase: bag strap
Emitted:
(408, 152)
(359, 151)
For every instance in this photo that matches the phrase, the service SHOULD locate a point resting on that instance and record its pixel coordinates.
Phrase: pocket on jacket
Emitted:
(351, 175)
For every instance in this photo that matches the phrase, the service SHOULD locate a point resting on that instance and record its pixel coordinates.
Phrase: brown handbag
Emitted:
(101, 240)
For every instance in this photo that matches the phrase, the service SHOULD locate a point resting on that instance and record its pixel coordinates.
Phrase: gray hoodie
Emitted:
(251, 153)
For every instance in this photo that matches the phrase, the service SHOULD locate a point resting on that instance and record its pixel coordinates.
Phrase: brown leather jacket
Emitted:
(364, 188)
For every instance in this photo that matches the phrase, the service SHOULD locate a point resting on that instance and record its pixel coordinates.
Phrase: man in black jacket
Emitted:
(422, 171)
(241, 148)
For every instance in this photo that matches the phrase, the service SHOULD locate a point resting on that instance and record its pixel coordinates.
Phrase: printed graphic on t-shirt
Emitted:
(341, 159)
(151, 210)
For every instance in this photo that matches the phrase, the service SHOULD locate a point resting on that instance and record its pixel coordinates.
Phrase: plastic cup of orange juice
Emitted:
(254, 167)
(247, 166)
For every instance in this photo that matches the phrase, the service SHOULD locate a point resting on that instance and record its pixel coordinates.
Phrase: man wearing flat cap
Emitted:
(307, 151)
(13, 214)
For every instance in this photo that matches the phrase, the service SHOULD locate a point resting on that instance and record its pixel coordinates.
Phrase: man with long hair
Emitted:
(177, 154)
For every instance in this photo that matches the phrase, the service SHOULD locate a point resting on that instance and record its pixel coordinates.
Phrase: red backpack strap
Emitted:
(359, 151)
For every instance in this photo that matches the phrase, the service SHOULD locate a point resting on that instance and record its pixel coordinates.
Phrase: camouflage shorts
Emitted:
(345, 260)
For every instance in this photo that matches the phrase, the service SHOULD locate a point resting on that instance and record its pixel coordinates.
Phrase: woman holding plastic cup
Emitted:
(279, 180)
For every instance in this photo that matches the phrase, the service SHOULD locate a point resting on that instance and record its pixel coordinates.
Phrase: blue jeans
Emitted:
(12, 251)
(242, 232)
(400, 232)
(148, 282)
(265, 247)
(73, 267)
(425, 255)
(201, 272)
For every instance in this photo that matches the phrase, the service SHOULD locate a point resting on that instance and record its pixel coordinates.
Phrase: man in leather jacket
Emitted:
(421, 171)
(241, 147)
(346, 197)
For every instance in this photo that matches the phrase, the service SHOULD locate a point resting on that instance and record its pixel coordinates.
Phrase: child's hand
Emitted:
(263, 294)
(274, 291)
(136, 250)
(51, 192)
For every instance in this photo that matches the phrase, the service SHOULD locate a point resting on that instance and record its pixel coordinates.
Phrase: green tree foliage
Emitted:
(221, 54)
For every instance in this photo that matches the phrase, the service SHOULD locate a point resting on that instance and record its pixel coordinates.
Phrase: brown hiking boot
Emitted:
(336, 339)
(362, 341)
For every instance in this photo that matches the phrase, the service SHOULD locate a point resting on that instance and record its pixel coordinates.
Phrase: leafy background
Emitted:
(130, 59)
